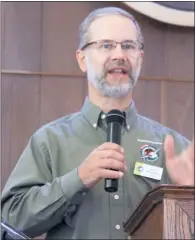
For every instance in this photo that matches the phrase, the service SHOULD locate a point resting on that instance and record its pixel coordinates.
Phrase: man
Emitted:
(57, 186)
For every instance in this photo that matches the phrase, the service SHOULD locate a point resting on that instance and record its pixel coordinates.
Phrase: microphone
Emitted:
(115, 120)
(9, 232)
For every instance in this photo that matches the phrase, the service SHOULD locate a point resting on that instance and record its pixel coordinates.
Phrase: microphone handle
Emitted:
(113, 135)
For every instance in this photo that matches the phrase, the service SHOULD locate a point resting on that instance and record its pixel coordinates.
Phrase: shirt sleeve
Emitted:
(32, 201)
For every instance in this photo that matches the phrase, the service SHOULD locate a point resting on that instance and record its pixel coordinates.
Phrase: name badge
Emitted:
(149, 171)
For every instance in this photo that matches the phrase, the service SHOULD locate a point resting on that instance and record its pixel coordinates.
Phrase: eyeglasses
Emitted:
(129, 46)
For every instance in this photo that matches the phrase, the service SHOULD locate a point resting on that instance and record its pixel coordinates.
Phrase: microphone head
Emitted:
(115, 116)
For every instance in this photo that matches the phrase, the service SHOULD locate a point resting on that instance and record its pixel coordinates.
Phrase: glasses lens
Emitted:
(107, 45)
(129, 46)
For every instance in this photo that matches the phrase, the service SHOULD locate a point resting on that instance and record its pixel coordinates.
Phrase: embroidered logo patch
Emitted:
(149, 153)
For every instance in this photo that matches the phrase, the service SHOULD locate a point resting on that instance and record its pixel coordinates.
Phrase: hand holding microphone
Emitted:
(106, 161)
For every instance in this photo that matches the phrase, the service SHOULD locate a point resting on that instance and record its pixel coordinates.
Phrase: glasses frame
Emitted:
(104, 40)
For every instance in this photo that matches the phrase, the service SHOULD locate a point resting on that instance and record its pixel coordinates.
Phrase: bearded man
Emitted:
(57, 186)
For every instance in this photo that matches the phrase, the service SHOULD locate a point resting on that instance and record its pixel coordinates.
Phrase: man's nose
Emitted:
(118, 53)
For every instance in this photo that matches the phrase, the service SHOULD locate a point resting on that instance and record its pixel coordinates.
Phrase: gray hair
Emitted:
(101, 12)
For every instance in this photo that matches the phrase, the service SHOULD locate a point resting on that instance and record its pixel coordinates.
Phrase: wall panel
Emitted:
(59, 97)
(180, 107)
(21, 35)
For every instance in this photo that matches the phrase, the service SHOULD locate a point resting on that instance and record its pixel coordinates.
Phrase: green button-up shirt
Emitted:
(45, 195)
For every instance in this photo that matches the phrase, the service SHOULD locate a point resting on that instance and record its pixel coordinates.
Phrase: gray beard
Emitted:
(118, 91)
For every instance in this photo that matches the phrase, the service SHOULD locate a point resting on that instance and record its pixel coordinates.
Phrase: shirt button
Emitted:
(128, 127)
(84, 193)
(116, 197)
(94, 125)
(117, 227)
(103, 116)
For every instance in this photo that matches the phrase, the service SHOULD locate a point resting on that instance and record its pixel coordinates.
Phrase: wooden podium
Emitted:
(166, 212)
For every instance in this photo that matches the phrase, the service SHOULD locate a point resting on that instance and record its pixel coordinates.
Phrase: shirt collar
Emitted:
(91, 112)
(94, 114)
(131, 115)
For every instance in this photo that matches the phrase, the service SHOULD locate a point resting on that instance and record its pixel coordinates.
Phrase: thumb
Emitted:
(169, 147)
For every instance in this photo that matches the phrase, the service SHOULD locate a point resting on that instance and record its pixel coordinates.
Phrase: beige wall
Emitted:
(41, 80)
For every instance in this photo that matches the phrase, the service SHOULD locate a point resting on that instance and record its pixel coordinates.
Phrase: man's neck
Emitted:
(107, 103)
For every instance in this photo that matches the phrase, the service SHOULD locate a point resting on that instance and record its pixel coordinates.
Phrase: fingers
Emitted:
(169, 147)
(111, 157)
(110, 146)
(107, 173)
(111, 154)
(110, 150)
(109, 163)
(106, 161)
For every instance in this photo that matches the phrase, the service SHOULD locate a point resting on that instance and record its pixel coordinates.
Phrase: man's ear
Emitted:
(141, 58)
(142, 55)
(80, 56)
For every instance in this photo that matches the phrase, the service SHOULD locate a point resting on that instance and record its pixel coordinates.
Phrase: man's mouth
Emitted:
(118, 71)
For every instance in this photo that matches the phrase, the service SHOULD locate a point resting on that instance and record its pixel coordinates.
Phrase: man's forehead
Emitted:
(113, 26)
